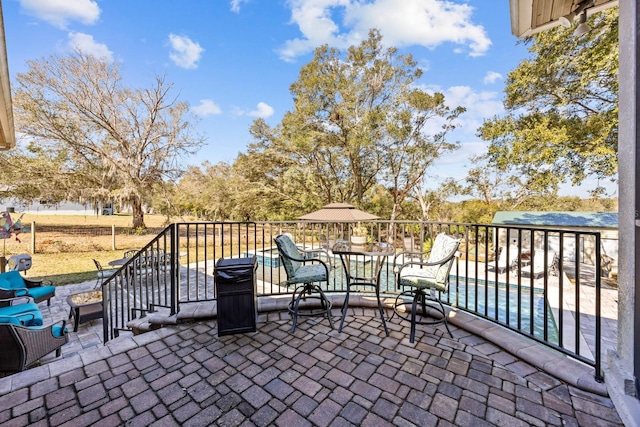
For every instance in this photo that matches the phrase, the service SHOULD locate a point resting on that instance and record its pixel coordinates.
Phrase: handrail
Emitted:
(545, 305)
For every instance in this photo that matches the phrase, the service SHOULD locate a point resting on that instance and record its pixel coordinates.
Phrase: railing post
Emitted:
(33, 237)
(174, 268)
(599, 375)
(113, 237)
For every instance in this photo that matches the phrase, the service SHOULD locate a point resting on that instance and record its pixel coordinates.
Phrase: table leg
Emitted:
(384, 323)
(76, 319)
(345, 306)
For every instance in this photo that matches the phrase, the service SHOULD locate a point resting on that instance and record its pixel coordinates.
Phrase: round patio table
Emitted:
(350, 252)
(118, 262)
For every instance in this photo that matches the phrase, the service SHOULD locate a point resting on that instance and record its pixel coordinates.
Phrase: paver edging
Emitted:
(548, 360)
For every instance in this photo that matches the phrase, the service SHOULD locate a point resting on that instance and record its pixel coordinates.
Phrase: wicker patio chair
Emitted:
(22, 346)
(39, 290)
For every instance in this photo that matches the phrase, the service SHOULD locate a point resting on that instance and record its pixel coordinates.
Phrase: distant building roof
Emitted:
(558, 219)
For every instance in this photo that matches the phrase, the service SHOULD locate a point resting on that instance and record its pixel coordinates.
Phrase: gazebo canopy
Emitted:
(338, 212)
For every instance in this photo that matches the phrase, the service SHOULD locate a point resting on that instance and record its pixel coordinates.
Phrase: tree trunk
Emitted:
(138, 214)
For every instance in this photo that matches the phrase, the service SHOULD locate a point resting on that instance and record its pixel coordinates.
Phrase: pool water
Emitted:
(268, 257)
(508, 309)
(507, 300)
(510, 306)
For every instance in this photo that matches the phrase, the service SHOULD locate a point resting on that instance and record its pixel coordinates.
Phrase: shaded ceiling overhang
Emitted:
(533, 16)
(7, 130)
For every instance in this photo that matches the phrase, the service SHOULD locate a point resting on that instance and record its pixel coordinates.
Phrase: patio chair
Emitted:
(21, 309)
(323, 251)
(142, 264)
(23, 346)
(539, 267)
(507, 259)
(305, 272)
(102, 273)
(427, 279)
(13, 281)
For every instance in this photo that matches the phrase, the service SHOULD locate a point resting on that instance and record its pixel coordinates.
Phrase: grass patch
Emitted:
(66, 257)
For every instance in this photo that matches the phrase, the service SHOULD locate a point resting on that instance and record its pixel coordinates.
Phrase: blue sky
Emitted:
(234, 60)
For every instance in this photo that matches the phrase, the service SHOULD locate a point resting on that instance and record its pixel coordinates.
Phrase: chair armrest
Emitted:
(312, 260)
(63, 323)
(411, 255)
(9, 290)
(36, 283)
(26, 299)
(315, 251)
(444, 260)
(294, 259)
(6, 318)
(6, 293)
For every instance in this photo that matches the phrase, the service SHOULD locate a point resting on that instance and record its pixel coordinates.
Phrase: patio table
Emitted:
(118, 262)
(85, 306)
(377, 252)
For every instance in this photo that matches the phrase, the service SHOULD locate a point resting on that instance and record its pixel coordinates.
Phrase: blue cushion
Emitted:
(310, 273)
(12, 320)
(14, 279)
(32, 318)
(27, 313)
(287, 246)
(41, 291)
(59, 331)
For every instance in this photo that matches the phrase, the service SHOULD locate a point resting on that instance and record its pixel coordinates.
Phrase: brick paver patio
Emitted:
(186, 375)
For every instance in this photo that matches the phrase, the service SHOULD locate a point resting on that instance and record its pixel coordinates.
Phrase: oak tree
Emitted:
(106, 136)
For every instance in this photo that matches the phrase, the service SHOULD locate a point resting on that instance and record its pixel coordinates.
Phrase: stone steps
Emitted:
(189, 312)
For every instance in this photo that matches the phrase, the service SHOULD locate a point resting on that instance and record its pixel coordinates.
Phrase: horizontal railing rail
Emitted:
(540, 282)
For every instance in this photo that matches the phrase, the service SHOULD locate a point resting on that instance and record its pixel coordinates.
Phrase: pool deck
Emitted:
(186, 375)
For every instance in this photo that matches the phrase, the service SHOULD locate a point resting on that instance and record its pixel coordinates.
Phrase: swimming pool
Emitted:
(516, 309)
(500, 302)
(269, 257)
(512, 307)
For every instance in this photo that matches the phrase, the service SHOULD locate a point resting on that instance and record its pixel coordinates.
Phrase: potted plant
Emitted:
(359, 235)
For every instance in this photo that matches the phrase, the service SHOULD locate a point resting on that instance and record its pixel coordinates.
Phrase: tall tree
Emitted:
(353, 112)
(410, 151)
(562, 113)
(78, 108)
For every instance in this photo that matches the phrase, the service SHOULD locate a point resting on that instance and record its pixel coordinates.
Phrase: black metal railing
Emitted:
(542, 283)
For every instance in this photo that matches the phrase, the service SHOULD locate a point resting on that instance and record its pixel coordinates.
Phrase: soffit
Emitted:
(532, 16)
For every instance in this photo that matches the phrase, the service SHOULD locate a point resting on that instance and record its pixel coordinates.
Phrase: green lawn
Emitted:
(68, 257)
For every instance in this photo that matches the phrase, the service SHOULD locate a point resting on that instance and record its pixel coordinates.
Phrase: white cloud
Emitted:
(492, 77)
(480, 105)
(235, 5)
(86, 44)
(263, 111)
(185, 52)
(427, 23)
(206, 108)
(60, 12)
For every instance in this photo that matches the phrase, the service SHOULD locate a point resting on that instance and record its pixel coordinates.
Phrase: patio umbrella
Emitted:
(338, 212)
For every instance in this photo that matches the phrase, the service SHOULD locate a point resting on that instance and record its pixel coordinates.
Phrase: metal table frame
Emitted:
(378, 252)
